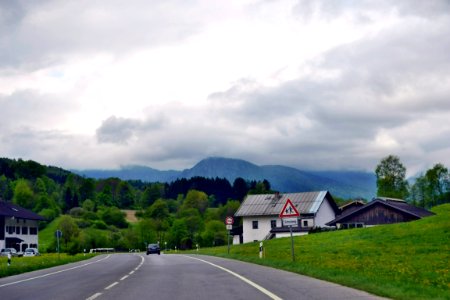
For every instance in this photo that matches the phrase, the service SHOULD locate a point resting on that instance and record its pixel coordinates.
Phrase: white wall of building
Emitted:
(264, 227)
(27, 237)
(324, 215)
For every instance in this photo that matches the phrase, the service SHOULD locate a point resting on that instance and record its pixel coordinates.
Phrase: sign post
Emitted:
(229, 224)
(289, 216)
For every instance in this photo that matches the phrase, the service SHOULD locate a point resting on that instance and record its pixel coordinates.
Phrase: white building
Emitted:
(260, 214)
(18, 227)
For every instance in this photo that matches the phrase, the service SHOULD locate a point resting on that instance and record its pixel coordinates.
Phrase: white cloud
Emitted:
(313, 84)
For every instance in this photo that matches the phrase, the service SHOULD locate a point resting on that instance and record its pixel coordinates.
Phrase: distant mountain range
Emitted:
(344, 184)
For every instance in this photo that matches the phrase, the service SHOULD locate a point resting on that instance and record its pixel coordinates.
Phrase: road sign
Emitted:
(229, 227)
(58, 233)
(229, 220)
(290, 222)
(289, 210)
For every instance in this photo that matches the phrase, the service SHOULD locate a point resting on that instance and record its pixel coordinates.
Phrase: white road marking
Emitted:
(131, 272)
(248, 281)
(111, 285)
(94, 296)
(53, 273)
(124, 277)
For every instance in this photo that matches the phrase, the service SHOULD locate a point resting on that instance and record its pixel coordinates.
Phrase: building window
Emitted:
(10, 229)
(17, 229)
(305, 223)
(255, 224)
(273, 223)
(33, 230)
(24, 230)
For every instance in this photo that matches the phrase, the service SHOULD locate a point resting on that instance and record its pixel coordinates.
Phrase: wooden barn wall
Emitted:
(379, 214)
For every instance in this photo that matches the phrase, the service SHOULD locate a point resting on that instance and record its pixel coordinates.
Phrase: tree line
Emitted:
(181, 213)
(429, 189)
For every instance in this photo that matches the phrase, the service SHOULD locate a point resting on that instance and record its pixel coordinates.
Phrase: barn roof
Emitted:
(11, 210)
(272, 204)
(396, 204)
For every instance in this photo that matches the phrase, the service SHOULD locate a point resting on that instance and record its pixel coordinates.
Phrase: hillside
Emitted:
(399, 261)
(344, 184)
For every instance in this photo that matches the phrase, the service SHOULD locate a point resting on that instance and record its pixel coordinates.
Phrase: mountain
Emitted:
(344, 184)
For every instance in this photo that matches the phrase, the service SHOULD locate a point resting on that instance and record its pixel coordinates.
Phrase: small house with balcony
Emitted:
(260, 214)
(18, 227)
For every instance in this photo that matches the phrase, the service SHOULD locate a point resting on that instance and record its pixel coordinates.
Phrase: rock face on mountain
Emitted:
(345, 184)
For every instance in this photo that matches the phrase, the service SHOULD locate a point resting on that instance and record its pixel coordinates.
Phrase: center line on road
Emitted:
(248, 281)
(124, 277)
(94, 296)
(111, 285)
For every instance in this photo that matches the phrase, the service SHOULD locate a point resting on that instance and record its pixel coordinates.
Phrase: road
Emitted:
(175, 276)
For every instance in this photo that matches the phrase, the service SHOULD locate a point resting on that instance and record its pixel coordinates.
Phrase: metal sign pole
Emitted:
(228, 239)
(292, 244)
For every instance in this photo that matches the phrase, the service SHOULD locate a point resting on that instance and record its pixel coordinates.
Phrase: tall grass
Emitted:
(400, 261)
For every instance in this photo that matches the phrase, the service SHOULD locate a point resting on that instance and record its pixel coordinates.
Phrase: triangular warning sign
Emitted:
(289, 210)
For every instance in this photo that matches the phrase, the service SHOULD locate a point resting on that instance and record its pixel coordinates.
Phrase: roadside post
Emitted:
(229, 225)
(58, 235)
(289, 216)
(261, 250)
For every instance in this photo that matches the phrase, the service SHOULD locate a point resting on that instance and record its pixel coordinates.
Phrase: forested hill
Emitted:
(344, 184)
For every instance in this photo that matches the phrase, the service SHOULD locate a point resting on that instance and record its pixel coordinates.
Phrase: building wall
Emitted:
(324, 215)
(21, 229)
(379, 214)
(264, 227)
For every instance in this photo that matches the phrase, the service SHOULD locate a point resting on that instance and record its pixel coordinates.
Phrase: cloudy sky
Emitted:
(308, 84)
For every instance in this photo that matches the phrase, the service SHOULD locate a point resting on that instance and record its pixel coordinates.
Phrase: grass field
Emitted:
(26, 264)
(399, 261)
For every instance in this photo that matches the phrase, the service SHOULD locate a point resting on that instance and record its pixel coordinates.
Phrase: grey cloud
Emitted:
(49, 32)
(29, 108)
(119, 130)
(361, 10)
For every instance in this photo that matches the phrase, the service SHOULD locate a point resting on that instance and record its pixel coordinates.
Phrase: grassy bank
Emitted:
(400, 261)
(26, 264)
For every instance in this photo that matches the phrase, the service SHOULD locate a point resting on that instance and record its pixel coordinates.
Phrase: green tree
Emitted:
(196, 199)
(6, 192)
(391, 180)
(438, 184)
(23, 194)
(113, 216)
(215, 234)
(69, 229)
(179, 234)
(125, 195)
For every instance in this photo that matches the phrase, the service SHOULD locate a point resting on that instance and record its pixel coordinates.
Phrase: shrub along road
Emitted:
(136, 276)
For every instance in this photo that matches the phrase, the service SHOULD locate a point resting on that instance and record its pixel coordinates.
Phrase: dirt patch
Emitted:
(130, 215)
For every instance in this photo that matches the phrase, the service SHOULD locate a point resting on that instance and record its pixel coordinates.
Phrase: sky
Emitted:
(319, 85)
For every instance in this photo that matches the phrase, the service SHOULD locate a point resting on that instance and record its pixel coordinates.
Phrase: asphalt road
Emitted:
(138, 276)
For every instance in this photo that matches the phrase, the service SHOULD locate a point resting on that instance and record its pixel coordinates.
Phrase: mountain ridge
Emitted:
(343, 184)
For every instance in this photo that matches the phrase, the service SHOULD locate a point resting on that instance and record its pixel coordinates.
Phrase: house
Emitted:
(18, 227)
(260, 214)
(379, 211)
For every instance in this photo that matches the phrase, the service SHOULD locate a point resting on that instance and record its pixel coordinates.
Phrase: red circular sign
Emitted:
(229, 220)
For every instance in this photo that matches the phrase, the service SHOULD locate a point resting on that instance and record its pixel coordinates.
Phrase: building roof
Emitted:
(396, 204)
(11, 210)
(272, 204)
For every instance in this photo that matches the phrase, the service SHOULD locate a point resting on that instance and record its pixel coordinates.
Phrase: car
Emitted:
(31, 252)
(5, 252)
(153, 248)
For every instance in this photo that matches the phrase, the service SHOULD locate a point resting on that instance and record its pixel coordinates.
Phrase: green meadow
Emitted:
(399, 261)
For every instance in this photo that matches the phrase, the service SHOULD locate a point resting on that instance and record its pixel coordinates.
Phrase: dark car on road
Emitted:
(153, 248)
